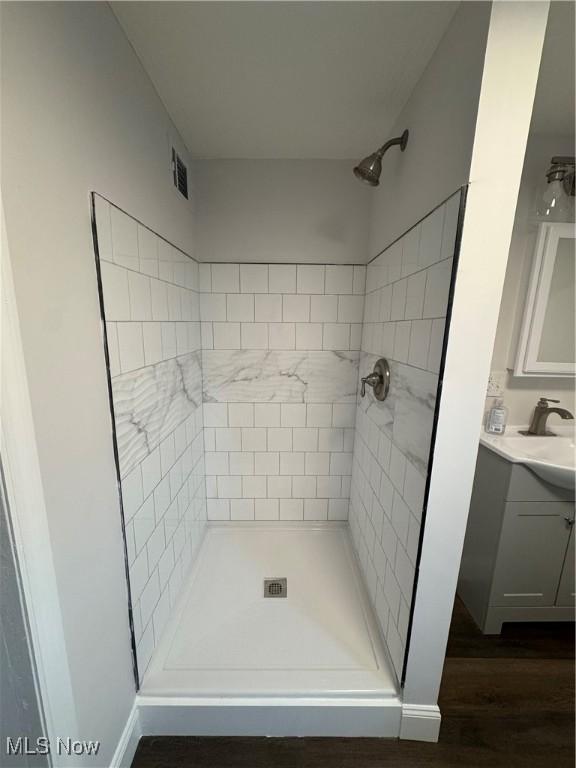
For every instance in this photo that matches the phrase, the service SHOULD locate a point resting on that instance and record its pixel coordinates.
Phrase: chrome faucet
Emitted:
(540, 417)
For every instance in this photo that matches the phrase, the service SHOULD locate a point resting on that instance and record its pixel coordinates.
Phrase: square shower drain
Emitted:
(275, 587)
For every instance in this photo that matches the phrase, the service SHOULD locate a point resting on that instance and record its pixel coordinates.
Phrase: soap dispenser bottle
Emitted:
(497, 418)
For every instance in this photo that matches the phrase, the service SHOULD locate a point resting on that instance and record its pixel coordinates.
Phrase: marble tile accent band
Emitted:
(151, 402)
(280, 376)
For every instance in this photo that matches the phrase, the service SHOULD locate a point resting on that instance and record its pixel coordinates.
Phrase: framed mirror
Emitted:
(547, 340)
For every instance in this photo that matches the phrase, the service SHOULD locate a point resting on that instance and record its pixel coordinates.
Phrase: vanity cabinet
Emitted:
(518, 557)
(531, 553)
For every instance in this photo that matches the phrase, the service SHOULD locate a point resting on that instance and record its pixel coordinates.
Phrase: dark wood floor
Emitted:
(507, 701)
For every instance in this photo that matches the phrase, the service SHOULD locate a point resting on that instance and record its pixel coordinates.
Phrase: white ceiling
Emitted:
(554, 102)
(284, 79)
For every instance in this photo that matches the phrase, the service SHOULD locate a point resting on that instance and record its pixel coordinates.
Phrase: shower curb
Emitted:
(352, 717)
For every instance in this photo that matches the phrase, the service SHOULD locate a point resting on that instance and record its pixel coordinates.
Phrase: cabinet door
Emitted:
(531, 553)
(566, 589)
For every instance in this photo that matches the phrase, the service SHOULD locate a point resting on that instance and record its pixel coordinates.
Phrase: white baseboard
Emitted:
(126, 749)
(420, 722)
(163, 716)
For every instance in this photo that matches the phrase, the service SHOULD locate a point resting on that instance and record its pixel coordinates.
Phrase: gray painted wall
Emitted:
(281, 211)
(19, 708)
(315, 210)
(79, 114)
(441, 117)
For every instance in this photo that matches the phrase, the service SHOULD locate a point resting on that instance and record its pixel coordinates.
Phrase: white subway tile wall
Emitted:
(406, 304)
(152, 312)
(280, 367)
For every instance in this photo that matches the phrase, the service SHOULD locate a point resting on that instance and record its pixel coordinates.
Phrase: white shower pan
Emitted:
(234, 662)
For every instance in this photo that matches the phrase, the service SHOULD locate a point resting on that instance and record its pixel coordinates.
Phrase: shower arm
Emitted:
(401, 140)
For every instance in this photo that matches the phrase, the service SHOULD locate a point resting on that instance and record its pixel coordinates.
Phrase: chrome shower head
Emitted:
(370, 168)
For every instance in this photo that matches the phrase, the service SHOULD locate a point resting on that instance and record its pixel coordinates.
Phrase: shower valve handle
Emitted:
(373, 379)
(379, 380)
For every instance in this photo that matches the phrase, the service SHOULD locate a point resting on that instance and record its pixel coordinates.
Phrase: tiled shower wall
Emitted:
(407, 289)
(280, 350)
(275, 361)
(151, 307)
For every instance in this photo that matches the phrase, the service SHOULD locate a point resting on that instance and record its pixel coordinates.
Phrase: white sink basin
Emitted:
(551, 458)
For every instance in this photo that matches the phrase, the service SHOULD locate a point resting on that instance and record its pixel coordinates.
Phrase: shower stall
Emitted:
(272, 515)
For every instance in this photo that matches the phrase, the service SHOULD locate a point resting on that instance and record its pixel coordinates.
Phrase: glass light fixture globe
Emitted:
(555, 202)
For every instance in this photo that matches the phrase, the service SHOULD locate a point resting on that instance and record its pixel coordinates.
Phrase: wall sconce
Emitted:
(556, 198)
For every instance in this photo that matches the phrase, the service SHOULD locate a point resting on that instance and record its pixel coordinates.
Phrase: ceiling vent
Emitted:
(179, 174)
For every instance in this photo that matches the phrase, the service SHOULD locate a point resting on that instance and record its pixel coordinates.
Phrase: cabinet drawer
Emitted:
(531, 553)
